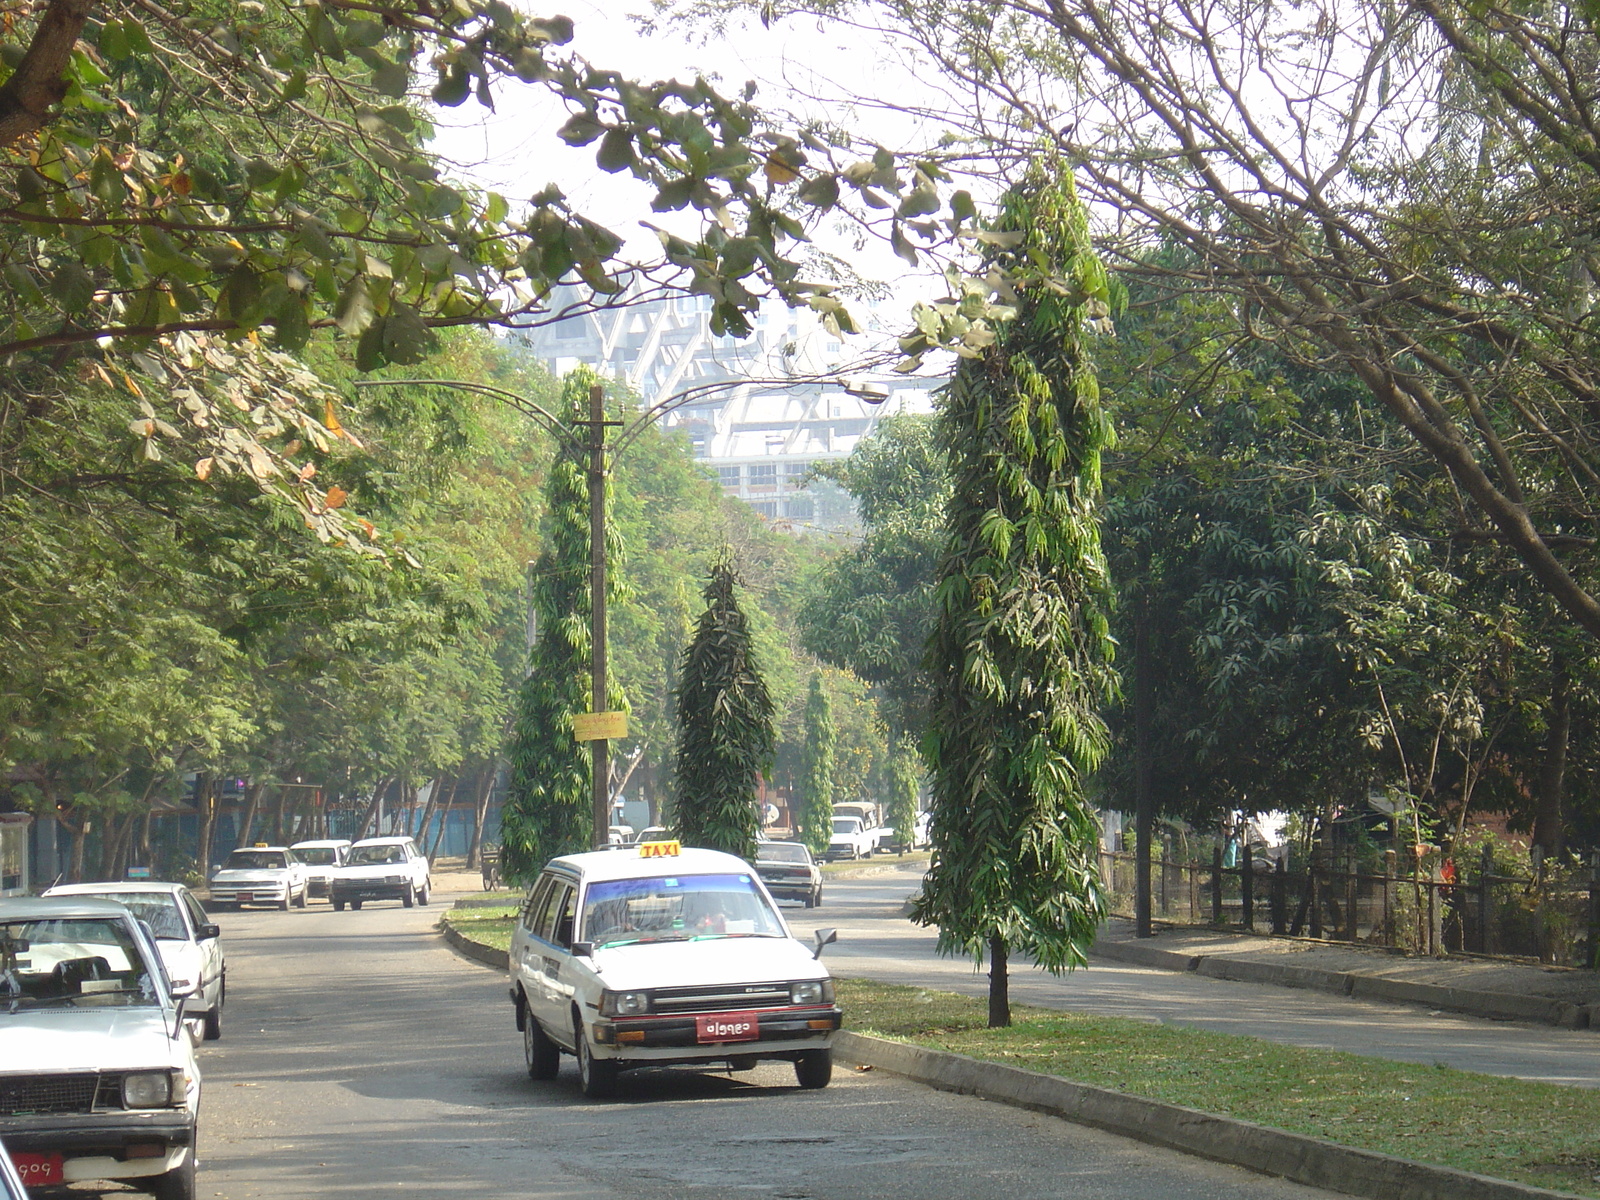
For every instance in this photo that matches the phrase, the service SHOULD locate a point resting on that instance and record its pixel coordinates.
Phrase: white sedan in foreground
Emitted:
(98, 1078)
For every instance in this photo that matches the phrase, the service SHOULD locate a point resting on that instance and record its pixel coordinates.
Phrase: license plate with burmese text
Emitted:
(728, 1027)
(37, 1170)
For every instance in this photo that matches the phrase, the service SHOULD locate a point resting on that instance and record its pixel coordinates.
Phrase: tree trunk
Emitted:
(205, 802)
(444, 818)
(1143, 771)
(372, 807)
(999, 985)
(480, 813)
(1549, 832)
(39, 82)
(428, 810)
(247, 823)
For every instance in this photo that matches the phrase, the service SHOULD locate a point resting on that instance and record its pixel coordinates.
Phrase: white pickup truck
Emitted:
(851, 839)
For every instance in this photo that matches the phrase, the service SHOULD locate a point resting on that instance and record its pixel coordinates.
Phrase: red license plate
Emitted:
(246, 898)
(36, 1170)
(728, 1027)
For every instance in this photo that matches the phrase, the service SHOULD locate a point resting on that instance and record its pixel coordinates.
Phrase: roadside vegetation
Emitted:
(1534, 1133)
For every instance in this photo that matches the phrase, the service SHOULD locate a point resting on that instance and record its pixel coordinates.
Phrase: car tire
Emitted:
(213, 1023)
(338, 906)
(301, 901)
(597, 1077)
(409, 898)
(176, 1184)
(814, 1068)
(808, 901)
(283, 905)
(355, 906)
(816, 898)
(422, 896)
(543, 1056)
(743, 1062)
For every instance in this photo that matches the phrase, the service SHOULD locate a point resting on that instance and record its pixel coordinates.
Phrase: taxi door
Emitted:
(545, 953)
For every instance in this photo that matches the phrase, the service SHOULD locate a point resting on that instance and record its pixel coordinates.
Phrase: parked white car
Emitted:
(260, 875)
(850, 839)
(654, 955)
(98, 1078)
(322, 858)
(386, 868)
(190, 944)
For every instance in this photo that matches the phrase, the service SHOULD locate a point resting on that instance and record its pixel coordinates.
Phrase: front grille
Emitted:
(31, 1095)
(726, 998)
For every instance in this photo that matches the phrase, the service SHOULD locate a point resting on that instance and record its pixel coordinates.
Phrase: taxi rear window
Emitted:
(676, 908)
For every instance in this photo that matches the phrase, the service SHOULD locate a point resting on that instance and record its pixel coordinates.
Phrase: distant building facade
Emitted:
(759, 412)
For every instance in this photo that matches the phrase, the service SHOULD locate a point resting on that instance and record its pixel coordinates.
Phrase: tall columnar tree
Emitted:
(726, 726)
(905, 782)
(818, 784)
(548, 807)
(1020, 655)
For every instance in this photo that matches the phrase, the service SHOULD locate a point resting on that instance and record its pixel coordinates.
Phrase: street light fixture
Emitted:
(594, 445)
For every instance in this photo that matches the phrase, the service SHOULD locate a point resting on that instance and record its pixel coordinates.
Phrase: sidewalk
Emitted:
(1497, 989)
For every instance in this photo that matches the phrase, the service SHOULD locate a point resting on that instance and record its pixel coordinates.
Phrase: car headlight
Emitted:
(812, 991)
(624, 1004)
(152, 1089)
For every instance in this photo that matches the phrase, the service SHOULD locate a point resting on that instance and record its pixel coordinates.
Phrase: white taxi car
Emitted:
(98, 1078)
(655, 955)
(323, 858)
(190, 944)
(381, 868)
(260, 875)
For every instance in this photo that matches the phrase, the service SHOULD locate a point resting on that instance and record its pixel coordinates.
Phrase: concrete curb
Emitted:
(489, 956)
(1496, 1006)
(1292, 1156)
(865, 872)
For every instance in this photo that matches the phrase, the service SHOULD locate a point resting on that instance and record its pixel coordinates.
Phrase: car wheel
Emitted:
(338, 906)
(176, 1184)
(816, 898)
(743, 1062)
(283, 905)
(543, 1055)
(300, 902)
(410, 896)
(213, 1023)
(597, 1077)
(422, 896)
(814, 1068)
(807, 901)
(355, 906)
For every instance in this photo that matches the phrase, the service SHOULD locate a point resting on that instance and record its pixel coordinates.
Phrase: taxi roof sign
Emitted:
(660, 849)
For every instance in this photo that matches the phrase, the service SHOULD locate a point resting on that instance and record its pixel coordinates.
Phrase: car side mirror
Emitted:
(209, 931)
(583, 949)
(825, 937)
(182, 989)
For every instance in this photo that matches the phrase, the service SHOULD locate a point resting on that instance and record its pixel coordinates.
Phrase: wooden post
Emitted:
(1388, 897)
(1247, 886)
(1280, 894)
(1314, 890)
(1485, 899)
(1594, 912)
(1352, 896)
(1216, 885)
(600, 748)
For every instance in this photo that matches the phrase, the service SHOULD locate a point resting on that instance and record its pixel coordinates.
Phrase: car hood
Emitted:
(90, 1039)
(254, 875)
(709, 963)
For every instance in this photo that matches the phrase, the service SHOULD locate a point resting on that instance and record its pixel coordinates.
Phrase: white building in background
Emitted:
(760, 413)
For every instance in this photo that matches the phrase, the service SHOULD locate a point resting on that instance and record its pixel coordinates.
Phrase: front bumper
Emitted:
(241, 893)
(783, 1033)
(791, 889)
(318, 886)
(368, 889)
(100, 1135)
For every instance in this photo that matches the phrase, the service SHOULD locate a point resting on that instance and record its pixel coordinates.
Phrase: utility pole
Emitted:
(599, 748)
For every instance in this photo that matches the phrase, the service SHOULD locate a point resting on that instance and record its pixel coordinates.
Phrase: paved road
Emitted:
(877, 942)
(361, 1058)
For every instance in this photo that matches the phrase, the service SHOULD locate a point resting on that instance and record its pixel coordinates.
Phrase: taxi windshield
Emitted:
(676, 908)
(72, 962)
(255, 860)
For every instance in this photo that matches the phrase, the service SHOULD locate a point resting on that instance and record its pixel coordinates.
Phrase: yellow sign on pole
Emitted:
(591, 727)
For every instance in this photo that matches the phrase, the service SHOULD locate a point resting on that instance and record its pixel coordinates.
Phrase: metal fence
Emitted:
(1406, 906)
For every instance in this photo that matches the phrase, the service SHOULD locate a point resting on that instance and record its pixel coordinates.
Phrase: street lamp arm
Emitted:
(522, 404)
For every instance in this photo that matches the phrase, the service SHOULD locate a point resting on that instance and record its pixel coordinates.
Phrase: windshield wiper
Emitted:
(645, 939)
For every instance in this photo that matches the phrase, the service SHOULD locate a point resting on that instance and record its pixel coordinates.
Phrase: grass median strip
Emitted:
(489, 926)
(1536, 1133)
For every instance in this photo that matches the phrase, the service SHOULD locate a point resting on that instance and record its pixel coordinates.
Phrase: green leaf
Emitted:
(821, 192)
(443, 201)
(554, 29)
(114, 40)
(391, 78)
(616, 151)
(453, 87)
(580, 129)
(72, 287)
(406, 339)
(23, 287)
(675, 195)
(353, 313)
(919, 203)
(369, 350)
